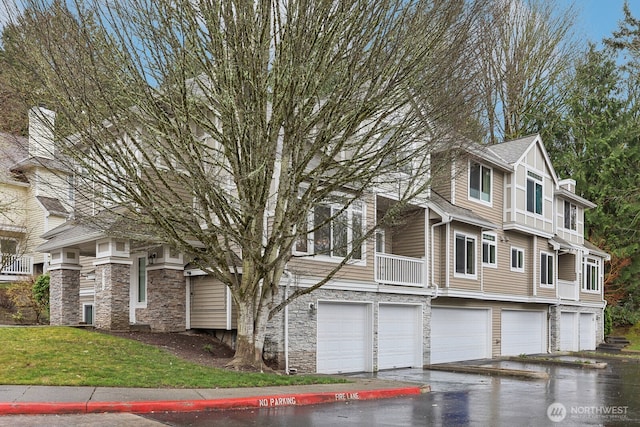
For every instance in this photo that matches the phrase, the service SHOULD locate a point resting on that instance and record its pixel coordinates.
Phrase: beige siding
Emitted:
(208, 303)
(502, 280)
(441, 180)
(408, 237)
(567, 267)
(492, 212)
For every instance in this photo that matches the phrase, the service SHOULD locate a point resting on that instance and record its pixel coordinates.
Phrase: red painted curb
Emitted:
(34, 408)
(142, 407)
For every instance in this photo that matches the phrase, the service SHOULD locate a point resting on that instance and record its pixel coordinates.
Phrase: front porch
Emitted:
(15, 267)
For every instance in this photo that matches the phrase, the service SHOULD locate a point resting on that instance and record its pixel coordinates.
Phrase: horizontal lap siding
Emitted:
(502, 280)
(492, 213)
(408, 238)
(208, 303)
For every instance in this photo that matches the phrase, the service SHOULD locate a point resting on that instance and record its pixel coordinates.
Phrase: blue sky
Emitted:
(599, 18)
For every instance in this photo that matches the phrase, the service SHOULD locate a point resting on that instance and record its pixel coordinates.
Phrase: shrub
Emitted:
(608, 322)
(30, 296)
(623, 315)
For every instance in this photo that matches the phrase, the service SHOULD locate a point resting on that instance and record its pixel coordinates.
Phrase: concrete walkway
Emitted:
(17, 399)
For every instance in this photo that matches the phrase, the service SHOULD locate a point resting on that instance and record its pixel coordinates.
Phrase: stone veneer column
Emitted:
(112, 286)
(64, 296)
(554, 325)
(166, 300)
(64, 287)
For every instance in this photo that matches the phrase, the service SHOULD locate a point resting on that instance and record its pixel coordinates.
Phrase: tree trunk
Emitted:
(250, 339)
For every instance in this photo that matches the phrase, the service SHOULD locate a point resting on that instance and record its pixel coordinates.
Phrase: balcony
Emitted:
(399, 270)
(568, 290)
(16, 265)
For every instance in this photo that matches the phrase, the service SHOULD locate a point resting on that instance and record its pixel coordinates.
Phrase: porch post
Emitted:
(112, 284)
(64, 287)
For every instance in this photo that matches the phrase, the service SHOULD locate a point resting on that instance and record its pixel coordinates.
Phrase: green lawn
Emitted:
(633, 335)
(77, 357)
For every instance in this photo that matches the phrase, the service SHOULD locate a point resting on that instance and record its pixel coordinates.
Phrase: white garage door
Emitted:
(344, 338)
(460, 334)
(568, 331)
(399, 336)
(523, 332)
(587, 331)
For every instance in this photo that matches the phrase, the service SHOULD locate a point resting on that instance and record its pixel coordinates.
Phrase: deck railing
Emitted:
(16, 265)
(568, 290)
(399, 270)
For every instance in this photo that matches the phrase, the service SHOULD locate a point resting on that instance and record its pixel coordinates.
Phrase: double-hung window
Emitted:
(489, 250)
(570, 215)
(546, 269)
(465, 255)
(335, 231)
(479, 182)
(591, 275)
(535, 194)
(517, 259)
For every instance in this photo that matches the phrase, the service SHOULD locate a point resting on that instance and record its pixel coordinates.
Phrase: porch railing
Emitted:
(399, 270)
(16, 265)
(568, 290)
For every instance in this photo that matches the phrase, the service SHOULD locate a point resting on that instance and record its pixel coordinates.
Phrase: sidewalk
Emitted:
(17, 399)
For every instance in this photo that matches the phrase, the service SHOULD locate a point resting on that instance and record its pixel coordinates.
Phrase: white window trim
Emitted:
(136, 288)
(550, 258)
(329, 257)
(526, 191)
(493, 243)
(593, 262)
(479, 199)
(516, 269)
(466, 236)
(572, 205)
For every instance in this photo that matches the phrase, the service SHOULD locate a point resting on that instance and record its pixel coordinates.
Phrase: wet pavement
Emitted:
(570, 397)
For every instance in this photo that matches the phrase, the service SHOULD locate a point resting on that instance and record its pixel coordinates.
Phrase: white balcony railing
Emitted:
(399, 270)
(16, 265)
(568, 290)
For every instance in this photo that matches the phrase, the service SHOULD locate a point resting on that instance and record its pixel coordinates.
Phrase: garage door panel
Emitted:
(587, 331)
(523, 332)
(568, 331)
(399, 336)
(343, 338)
(459, 334)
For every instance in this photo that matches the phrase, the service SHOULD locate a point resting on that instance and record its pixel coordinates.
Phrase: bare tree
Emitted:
(525, 47)
(234, 120)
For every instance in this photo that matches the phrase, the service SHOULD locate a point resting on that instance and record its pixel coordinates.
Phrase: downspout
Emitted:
(286, 322)
(433, 260)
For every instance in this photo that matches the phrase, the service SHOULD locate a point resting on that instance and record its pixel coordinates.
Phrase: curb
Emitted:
(145, 407)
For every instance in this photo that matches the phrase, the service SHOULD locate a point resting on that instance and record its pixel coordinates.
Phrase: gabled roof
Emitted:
(53, 206)
(513, 151)
(449, 211)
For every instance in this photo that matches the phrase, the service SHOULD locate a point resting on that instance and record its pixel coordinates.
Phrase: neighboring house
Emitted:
(491, 261)
(35, 196)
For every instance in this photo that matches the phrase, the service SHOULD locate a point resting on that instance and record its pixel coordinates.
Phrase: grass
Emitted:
(632, 334)
(59, 356)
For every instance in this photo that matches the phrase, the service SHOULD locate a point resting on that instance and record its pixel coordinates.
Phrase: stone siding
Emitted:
(166, 301)
(303, 326)
(64, 297)
(112, 288)
(554, 322)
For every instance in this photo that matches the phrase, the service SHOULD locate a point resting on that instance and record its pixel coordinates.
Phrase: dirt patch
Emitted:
(192, 346)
